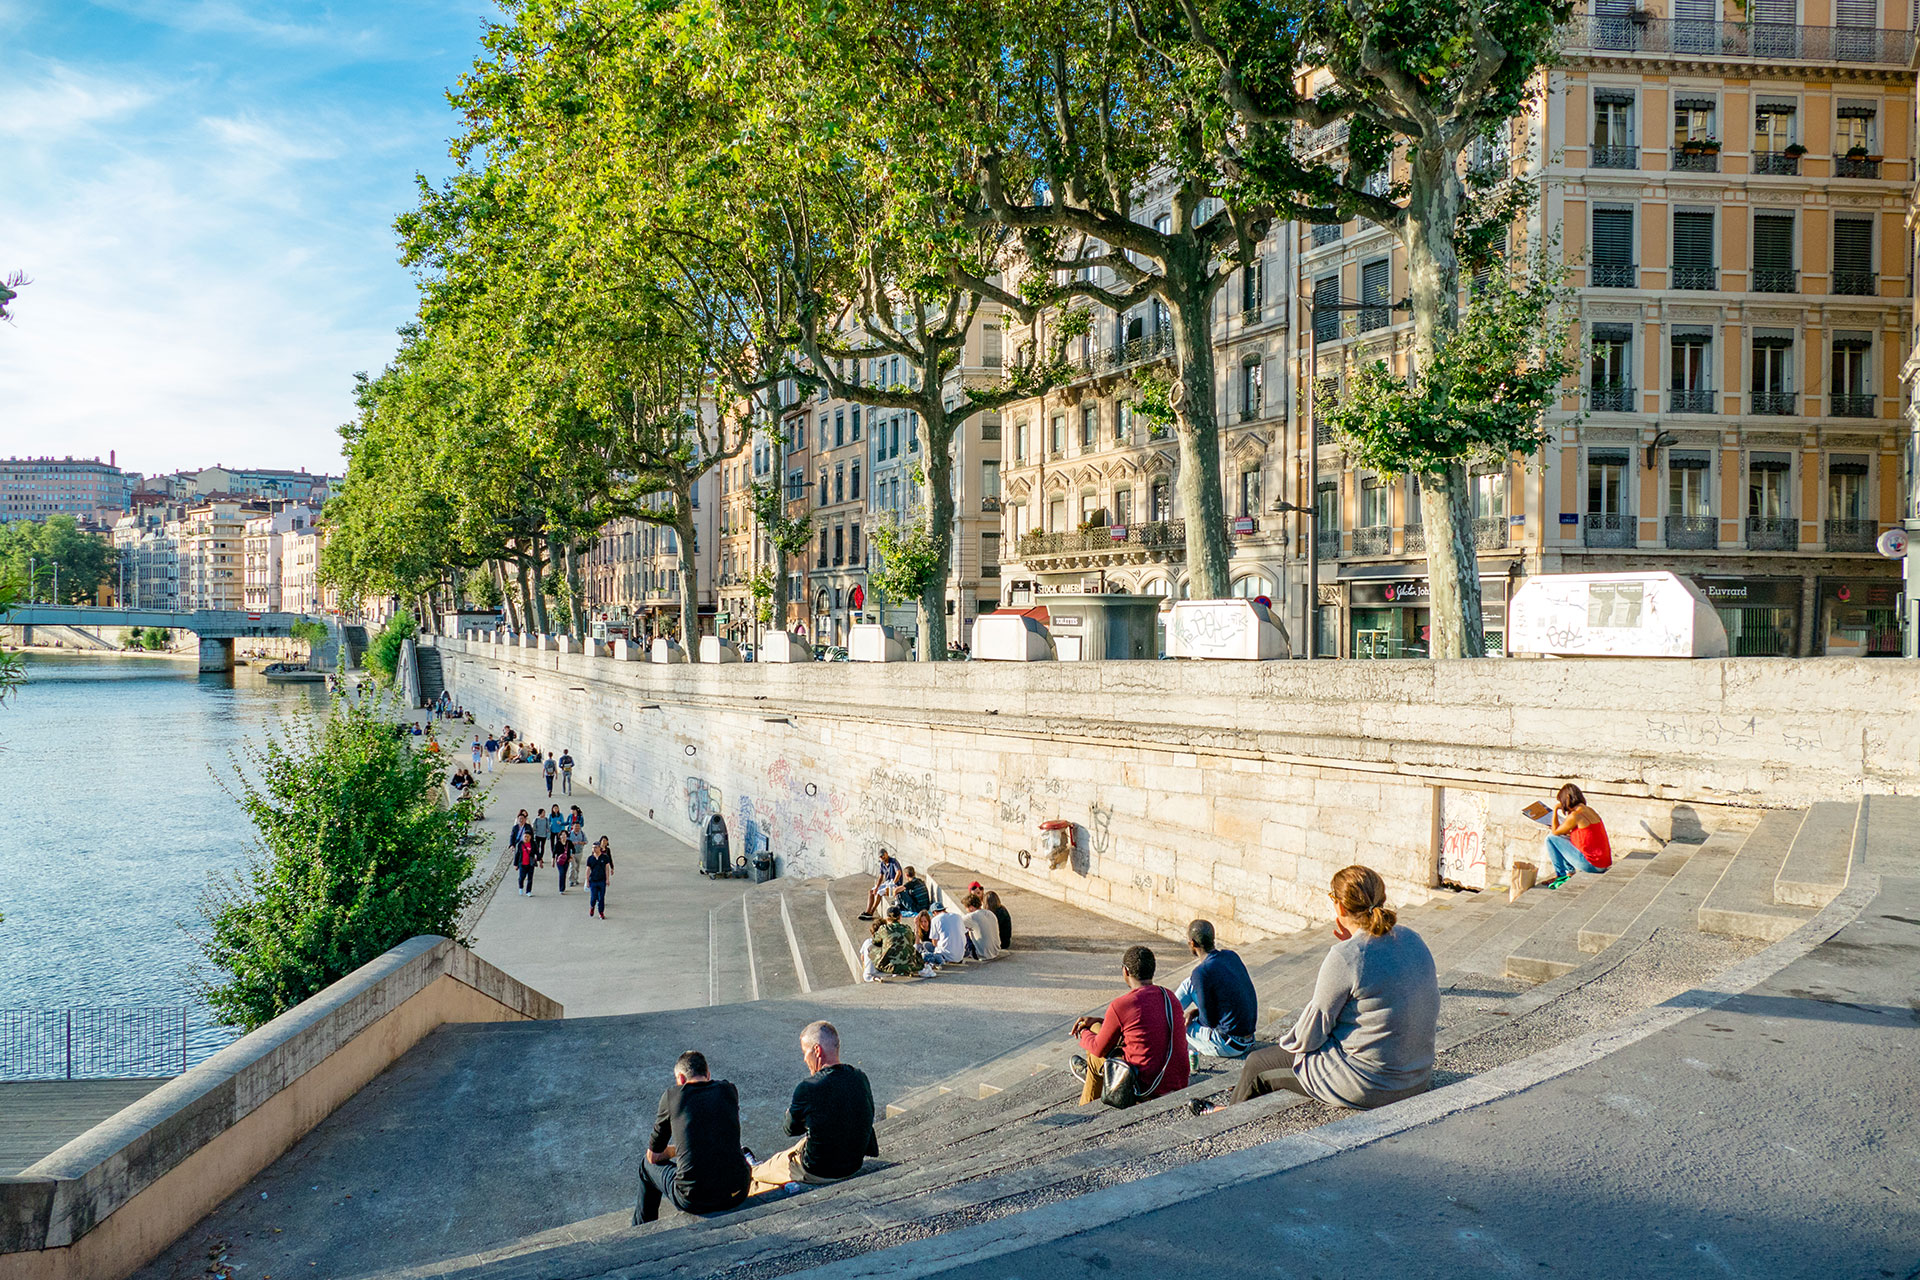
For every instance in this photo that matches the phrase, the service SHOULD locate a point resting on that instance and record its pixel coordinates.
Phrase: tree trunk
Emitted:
(577, 596)
(1433, 272)
(779, 588)
(1208, 552)
(541, 622)
(689, 573)
(528, 619)
(933, 596)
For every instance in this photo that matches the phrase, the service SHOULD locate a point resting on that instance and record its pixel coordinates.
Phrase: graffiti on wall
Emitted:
(1463, 837)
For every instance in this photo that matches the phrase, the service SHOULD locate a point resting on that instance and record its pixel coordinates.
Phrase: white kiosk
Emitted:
(1614, 615)
(1243, 630)
(1011, 637)
(872, 642)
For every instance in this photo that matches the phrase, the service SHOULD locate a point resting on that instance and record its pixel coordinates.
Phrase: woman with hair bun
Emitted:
(1366, 1037)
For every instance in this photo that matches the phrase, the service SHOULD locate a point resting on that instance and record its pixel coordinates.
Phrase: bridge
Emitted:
(216, 628)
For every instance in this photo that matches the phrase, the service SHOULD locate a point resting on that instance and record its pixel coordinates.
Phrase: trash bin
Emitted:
(714, 855)
(763, 866)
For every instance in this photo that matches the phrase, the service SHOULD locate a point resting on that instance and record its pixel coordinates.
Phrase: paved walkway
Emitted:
(41, 1116)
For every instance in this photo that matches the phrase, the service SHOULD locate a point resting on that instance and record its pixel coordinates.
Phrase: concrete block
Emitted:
(667, 651)
(566, 644)
(1011, 637)
(872, 642)
(784, 646)
(1234, 629)
(596, 648)
(715, 649)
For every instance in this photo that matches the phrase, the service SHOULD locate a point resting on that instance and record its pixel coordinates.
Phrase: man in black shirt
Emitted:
(694, 1156)
(912, 897)
(832, 1114)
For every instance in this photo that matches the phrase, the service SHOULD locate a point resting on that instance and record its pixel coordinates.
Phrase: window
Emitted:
(893, 450)
(1853, 256)
(853, 486)
(1089, 507)
(1773, 253)
(1376, 503)
(1250, 491)
(1160, 501)
(1122, 420)
(1056, 514)
(1089, 424)
(913, 433)
(1490, 496)
(856, 423)
(1057, 443)
(1773, 372)
(1693, 251)
(1690, 378)
(823, 487)
(1376, 284)
(1606, 516)
(1613, 146)
(839, 427)
(1692, 120)
(1326, 320)
(1687, 475)
(990, 479)
(1252, 287)
(1326, 513)
(1774, 121)
(1853, 136)
(1852, 389)
(1611, 381)
(990, 555)
(839, 544)
(823, 549)
(1020, 440)
(990, 352)
(1250, 389)
(853, 544)
(1846, 490)
(1769, 489)
(1123, 506)
(1612, 266)
(839, 484)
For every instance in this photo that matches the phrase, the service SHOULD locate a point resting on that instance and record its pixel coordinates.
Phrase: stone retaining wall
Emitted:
(113, 1198)
(1231, 790)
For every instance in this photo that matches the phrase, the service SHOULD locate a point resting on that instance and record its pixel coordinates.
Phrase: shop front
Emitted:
(1392, 618)
(1860, 617)
(1761, 615)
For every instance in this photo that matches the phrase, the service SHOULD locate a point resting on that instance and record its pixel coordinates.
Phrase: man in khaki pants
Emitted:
(832, 1114)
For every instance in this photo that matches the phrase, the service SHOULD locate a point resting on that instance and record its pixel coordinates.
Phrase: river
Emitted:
(117, 774)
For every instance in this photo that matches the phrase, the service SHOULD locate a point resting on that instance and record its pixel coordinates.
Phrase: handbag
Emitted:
(1120, 1085)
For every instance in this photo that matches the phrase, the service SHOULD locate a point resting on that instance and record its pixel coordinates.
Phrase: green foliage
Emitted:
(909, 559)
(791, 534)
(481, 590)
(313, 634)
(357, 852)
(12, 671)
(84, 558)
(156, 637)
(761, 585)
(383, 655)
(1486, 393)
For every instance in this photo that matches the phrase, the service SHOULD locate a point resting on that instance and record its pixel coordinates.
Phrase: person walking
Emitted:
(599, 871)
(493, 749)
(525, 860)
(550, 768)
(556, 826)
(479, 754)
(562, 860)
(540, 837)
(566, 771)
(576, 831)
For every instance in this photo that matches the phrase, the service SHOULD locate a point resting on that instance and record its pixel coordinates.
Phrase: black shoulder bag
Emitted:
(1121, 1086)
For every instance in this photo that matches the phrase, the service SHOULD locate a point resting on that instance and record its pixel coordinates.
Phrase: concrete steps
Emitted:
(781, 939)
(730, 968)
(1741, 903)
(1815, 870)
(1553, 948)
(433, 678)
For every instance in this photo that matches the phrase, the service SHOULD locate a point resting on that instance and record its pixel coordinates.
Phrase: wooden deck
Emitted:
(38, 1117)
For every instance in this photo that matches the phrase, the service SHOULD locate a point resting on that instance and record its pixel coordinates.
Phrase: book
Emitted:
(1540, 813)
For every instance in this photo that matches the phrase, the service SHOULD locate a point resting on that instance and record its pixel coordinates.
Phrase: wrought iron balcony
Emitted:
(1606, 157)
(990, 504)
(1323, 432)
(1162, 535)
(1852, 535)
(1778, 163)
(1776, 280)
(1490, 533)
(1122, 355)
(1612, 397)
(1681, 160)
(1740, 41)
(1613, 275)
(1693, 533)
(1326, 544)
(1326, 232)
(1855, 167)
(1773, 533)
(1693, 400)
(1695, 277)
(1859, 284)
(1609, 529)
(1414, 540)
(1373, 541)
(1779, 404)
(1850, 406)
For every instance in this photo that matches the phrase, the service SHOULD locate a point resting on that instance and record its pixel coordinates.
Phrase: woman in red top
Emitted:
(1140, 1026)
(1579, 839)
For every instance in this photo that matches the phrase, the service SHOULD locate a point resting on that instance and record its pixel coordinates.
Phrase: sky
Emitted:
(203, 193)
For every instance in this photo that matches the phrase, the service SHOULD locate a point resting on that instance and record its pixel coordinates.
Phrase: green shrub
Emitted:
(383, 655)
(356, 853)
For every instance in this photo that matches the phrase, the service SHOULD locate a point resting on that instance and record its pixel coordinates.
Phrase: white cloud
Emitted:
(61, 101)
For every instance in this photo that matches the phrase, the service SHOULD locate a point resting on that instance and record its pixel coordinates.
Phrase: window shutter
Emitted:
(1693, 241)
(1621, 97)
(1781, 11)
(1772, 242)
(1326, 321)
(1374, 284)
(1848, 467)
(1769, 462)
(1690, 460)
(1613, 237)
(1856, 13)
(1696, 10)
(1613, 333)
(1853, 245)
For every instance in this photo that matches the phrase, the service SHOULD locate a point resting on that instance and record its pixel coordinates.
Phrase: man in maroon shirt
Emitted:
(1142, 1027)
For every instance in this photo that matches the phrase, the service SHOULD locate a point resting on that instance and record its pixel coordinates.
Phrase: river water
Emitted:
(116, 774)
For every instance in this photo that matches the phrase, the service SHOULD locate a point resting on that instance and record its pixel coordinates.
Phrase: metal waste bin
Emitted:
(715, 858)
(763, 866)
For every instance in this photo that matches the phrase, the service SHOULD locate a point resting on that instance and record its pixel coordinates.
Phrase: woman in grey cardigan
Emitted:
(1366, 1037)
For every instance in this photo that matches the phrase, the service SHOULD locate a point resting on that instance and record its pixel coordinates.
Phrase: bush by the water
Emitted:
(383, 655)
(357, 852)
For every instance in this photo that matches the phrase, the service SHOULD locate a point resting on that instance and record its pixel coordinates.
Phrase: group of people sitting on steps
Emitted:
(1365, 1038)
(695, 1159)
(914, 932)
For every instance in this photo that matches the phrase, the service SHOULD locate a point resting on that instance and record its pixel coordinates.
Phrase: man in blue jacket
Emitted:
(1222, 1009)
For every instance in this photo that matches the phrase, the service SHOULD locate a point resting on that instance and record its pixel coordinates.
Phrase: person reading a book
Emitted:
(1579, 839)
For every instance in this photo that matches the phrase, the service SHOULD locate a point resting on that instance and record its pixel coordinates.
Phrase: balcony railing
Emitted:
(1852, 535)
(1759, 41)
(1772, 533)
(1373, 541)
(1489, 533)
(1850, 406)
(1779, 404)
(1414, 540)
(1609, 529)
(1122, 355)
(1855, 167)
(1859, 284)
(1326, 232)
(1695, 400)
(1777, 163)
(1613, 275)
(1683, 161)
(1326, 544)
(1776, 280)
(1323, 432)
(1612, 397)
(1605, 157)
(1693, 533)
(1159, 535)
(1696, 277)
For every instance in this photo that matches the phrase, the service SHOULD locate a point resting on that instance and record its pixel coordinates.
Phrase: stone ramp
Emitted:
(41, 1116)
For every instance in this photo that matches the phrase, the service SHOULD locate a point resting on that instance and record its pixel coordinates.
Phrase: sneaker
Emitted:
(929, 972)
(866, 915)
(1079, 1068)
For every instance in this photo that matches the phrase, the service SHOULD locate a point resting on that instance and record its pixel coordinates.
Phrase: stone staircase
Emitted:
(432, 678)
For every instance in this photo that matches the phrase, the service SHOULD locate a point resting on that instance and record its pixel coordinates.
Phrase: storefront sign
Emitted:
(1243, 524)
(1414, 593)
(1117, 532)
(1893, 544)
(1750, 593)
(1066, 620)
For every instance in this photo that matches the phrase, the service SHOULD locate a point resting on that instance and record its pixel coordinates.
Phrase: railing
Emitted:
(1609, 529)
(102, 1042)
(1326, 544)
(1310, 142)
(1327, 232)
(1684, 400)
(1323, 432)
(1855, 167)
(1159, 535)
(1683, 161)
(989, 431)
(1250, 413)
(1612, 397)
(1764, 41)
(1605, 157)
(1414, 540)
(1373, 541)
(1152, 346)
(1613, 275)
(1779, 404)
(1852, 535)
(1776, 280)
(989, 504)
(1859, 284)
(1777, 163)
(1693, 533)
(1850, 406)
(1695, 277)
(1772, 533)
(1490, 533)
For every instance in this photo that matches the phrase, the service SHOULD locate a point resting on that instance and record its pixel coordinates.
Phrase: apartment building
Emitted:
(267, 483)
(147, 546)
(300, 589)
(265, 554)
(632, 573)
(837, 581)
(88, 489)
(212, 549)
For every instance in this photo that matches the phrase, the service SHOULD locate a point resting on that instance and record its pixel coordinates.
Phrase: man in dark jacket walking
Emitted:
(831, 1114)
(694, 1157)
